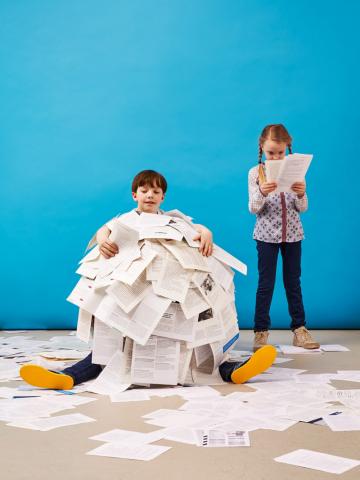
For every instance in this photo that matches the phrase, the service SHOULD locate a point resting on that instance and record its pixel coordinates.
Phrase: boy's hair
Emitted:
(149, 177)
(276, 132)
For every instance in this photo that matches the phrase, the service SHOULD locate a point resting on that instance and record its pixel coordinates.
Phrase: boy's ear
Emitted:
(134, 196)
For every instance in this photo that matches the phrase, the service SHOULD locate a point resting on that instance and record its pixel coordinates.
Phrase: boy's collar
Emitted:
(159, 212)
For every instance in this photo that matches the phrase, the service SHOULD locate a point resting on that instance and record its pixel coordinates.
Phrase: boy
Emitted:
(148, 191)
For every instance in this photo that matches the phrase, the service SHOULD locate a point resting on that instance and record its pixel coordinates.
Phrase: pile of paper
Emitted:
(159, 309)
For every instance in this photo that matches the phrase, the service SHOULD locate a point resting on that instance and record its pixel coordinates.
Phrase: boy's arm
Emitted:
(206, 240)
(107, 248)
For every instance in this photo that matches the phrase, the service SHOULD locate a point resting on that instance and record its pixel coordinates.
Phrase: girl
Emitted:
(278, 227)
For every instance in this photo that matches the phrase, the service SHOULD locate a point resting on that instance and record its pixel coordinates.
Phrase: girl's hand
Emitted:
(267, 187)
(299, 188)
(108, 249)
(206, 240)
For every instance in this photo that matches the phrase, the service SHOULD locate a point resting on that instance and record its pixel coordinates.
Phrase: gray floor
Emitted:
(60, 454)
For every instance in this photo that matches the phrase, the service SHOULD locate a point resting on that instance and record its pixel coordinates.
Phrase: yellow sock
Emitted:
(260, 361)
(41, 377)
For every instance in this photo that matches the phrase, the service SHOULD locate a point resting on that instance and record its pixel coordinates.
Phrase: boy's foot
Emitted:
(41, 377)
(260, 340)
(302, 338)
(260, 361)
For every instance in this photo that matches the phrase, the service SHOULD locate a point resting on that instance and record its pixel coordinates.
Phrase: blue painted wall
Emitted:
(92, 92)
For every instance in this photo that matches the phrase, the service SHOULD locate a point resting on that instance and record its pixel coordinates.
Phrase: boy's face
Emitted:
(274, 150)
(149, 198)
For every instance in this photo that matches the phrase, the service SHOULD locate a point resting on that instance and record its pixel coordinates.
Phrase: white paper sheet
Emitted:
(157, 362)
(134, 452)
(106, 342)
(173, 324)
(318, 461)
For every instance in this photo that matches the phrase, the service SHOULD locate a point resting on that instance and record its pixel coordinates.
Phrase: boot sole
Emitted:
(41, 377)
(260, 361)
(309, 346)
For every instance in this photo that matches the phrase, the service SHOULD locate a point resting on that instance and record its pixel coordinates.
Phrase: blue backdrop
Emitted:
(92, 92)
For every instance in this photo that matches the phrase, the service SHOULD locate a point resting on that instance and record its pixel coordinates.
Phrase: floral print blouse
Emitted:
(277, 215)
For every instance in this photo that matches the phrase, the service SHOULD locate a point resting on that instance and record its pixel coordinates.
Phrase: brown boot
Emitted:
(260, 339)
(302, 338)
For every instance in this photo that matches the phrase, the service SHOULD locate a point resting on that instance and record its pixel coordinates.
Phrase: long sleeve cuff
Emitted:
(301, 204)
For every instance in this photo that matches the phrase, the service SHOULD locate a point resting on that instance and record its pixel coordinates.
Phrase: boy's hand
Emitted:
(108, 249)
(299, 188)
(267, 187)
(206, 240)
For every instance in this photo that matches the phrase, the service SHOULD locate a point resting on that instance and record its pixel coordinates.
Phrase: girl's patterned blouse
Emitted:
(277, 215)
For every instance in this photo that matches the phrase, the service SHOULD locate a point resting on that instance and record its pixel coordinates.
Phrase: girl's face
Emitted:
(274, 150)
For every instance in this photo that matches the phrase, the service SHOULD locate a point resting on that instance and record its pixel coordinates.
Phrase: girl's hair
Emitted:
(276, 132)
(149, 177)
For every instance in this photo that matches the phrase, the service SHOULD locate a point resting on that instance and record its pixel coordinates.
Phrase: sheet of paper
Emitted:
(194, 303)
(110, 313)
(342, 422)
(207, 330)
(154, 269)
(128, 296)
(188, 231)
(180, 434)
(133, 452)
(291, 350)
(229, 260)
(84, 324)
(221, 272)
(107, 341)
(45, 424)
(146, 317)
(129, 437)
(112, 379)
(334, 348)
(157, 362)
(130, 396)
(272, 168)
(318, 461)
(173, 324)
(85, 296)
(137, 267)
(173, 281)
(189, 258)
(219, 438)
(212, 293)
(293, 169)
(165, 232)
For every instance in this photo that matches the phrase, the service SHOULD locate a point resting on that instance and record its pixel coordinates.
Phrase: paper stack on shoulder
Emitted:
(165, 309)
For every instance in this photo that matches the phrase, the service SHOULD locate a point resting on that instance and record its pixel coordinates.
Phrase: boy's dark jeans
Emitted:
(267, 260)
(84, 370)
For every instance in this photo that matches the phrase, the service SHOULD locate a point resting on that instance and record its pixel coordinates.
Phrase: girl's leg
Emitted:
(267, 260)
(291, 256)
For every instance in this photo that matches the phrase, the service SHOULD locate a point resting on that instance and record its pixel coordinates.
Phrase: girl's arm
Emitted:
(256, 198)
(301, 200)
(301, 204)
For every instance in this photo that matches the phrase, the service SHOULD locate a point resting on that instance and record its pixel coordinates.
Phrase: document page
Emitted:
(292, 169)
(318, 461)
(173, 324)
(173, 281)
(156, 362)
